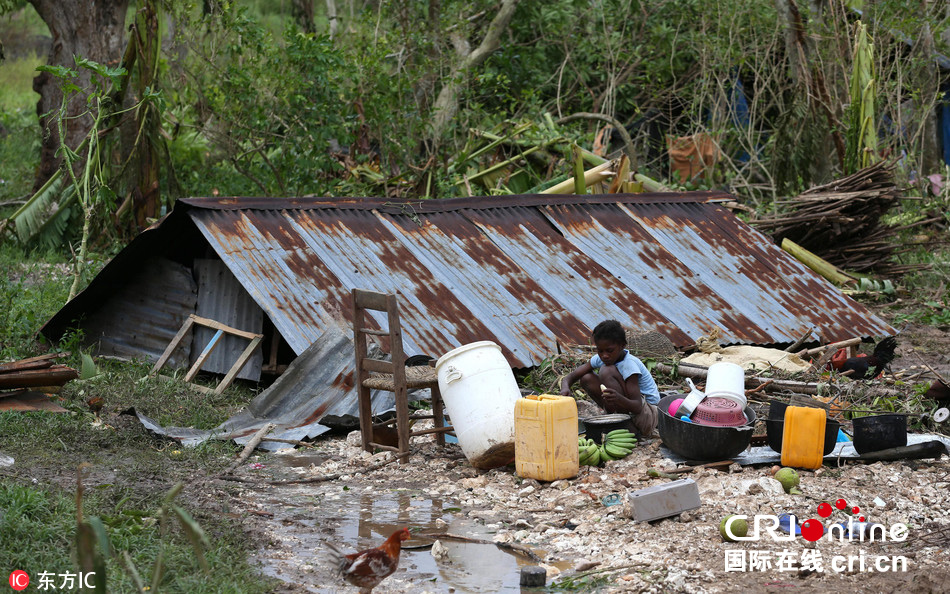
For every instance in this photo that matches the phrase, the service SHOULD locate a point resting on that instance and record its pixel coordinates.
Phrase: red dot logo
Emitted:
(19, 580)
(824, 509)
(841, 504)
(855, 510)
(812, 530)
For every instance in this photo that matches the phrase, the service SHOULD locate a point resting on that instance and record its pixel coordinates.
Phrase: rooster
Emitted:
(861, 365)
(95, 404)
(366, 569)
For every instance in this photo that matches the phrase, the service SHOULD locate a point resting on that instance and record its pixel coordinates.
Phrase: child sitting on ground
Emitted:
(616, 380)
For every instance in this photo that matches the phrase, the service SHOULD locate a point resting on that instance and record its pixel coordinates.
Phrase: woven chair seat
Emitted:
(421, 376)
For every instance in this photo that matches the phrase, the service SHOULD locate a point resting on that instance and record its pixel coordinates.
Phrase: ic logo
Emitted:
(19, 580)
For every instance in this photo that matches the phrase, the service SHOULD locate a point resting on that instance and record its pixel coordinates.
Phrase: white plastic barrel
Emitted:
(480, 392)
(726, 380)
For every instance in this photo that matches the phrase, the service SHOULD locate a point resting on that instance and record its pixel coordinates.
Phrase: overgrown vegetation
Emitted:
(246, 99)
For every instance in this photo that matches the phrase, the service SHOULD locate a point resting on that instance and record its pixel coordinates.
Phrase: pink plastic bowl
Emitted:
(674, 406)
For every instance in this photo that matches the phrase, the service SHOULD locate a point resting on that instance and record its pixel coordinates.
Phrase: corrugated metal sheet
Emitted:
(526, 272)
(123, 322)
(316, 386)
(221, 297)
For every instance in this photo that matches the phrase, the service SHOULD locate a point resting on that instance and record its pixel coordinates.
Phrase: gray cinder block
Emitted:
(663, 501)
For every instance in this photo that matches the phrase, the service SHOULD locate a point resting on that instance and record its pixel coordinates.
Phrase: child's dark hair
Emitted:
(610, 330)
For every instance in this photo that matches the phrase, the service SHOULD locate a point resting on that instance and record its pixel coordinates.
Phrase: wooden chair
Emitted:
(394, 376)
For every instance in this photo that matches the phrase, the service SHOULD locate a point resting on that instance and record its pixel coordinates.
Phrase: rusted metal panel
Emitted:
(586, 293)
(222, 298)
(139, 318)
(286, 279)
(526, 274)
(651, 271)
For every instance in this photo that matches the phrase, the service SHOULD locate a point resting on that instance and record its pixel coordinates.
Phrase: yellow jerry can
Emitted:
(546, 437)
(803, 439)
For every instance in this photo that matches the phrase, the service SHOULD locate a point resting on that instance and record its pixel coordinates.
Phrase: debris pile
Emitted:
(35, 372)
(841, 221)
(24, 383)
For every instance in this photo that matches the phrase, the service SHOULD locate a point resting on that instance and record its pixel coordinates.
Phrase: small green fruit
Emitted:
(789, 478)
(739, 528)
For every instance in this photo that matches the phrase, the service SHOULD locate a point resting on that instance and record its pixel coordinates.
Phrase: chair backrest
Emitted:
(388, 303)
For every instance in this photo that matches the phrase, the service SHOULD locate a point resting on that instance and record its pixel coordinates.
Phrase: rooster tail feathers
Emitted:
(884, 351)
(335, 556)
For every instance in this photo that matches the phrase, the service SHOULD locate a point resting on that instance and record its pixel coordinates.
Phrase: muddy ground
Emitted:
(583, 543)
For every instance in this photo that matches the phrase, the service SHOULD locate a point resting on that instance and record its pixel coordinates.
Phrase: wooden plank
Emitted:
(369, 299)
(378, 365)
(374, 332)
(223, 327)
(204, 355)
(56, 375)
(40, 362)
(240, 363)
(173, 344)
(433, 430)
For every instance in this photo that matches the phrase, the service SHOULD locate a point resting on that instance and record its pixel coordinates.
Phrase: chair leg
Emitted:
(366, 417)
(438, 418)
(402, 422)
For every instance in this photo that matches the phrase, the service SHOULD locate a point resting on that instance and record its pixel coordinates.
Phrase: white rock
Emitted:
(439, 552)
(526, 491)
(770, 485)
(474, 483)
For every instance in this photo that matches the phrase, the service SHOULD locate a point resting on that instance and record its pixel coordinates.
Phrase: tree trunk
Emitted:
(146, 197)
(302, 11)
(446, 104)
(332, 18)
(93, 30)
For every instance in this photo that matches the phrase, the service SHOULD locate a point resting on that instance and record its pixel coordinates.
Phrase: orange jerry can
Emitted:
(546, 437)
(803, 439)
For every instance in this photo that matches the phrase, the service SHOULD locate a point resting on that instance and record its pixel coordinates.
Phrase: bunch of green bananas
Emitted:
(588, 452)
(617, 444)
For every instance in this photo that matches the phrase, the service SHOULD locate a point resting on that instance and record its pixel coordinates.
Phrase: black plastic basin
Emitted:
(703, 442)
(775, 429)
(880, 432)
(596, 427)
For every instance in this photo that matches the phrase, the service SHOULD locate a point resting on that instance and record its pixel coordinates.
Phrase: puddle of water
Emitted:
(358, 521)
(300, 460)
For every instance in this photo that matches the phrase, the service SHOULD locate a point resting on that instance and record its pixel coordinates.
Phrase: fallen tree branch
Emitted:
(249, 448)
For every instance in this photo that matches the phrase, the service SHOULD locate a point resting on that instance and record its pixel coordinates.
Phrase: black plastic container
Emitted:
(880, 432)
(775, 429)
(703, 442)
(596, 427)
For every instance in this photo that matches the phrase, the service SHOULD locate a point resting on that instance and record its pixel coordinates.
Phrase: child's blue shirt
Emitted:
(628, 366)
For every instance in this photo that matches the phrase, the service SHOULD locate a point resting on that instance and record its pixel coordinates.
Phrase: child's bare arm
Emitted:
(630, 401)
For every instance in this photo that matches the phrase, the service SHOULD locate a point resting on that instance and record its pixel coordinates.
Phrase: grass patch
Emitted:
(45, 522)
(31, 291)
(16, 80)
(19, 155)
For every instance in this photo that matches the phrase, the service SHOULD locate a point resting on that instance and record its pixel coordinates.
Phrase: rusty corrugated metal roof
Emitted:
(526, 272)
